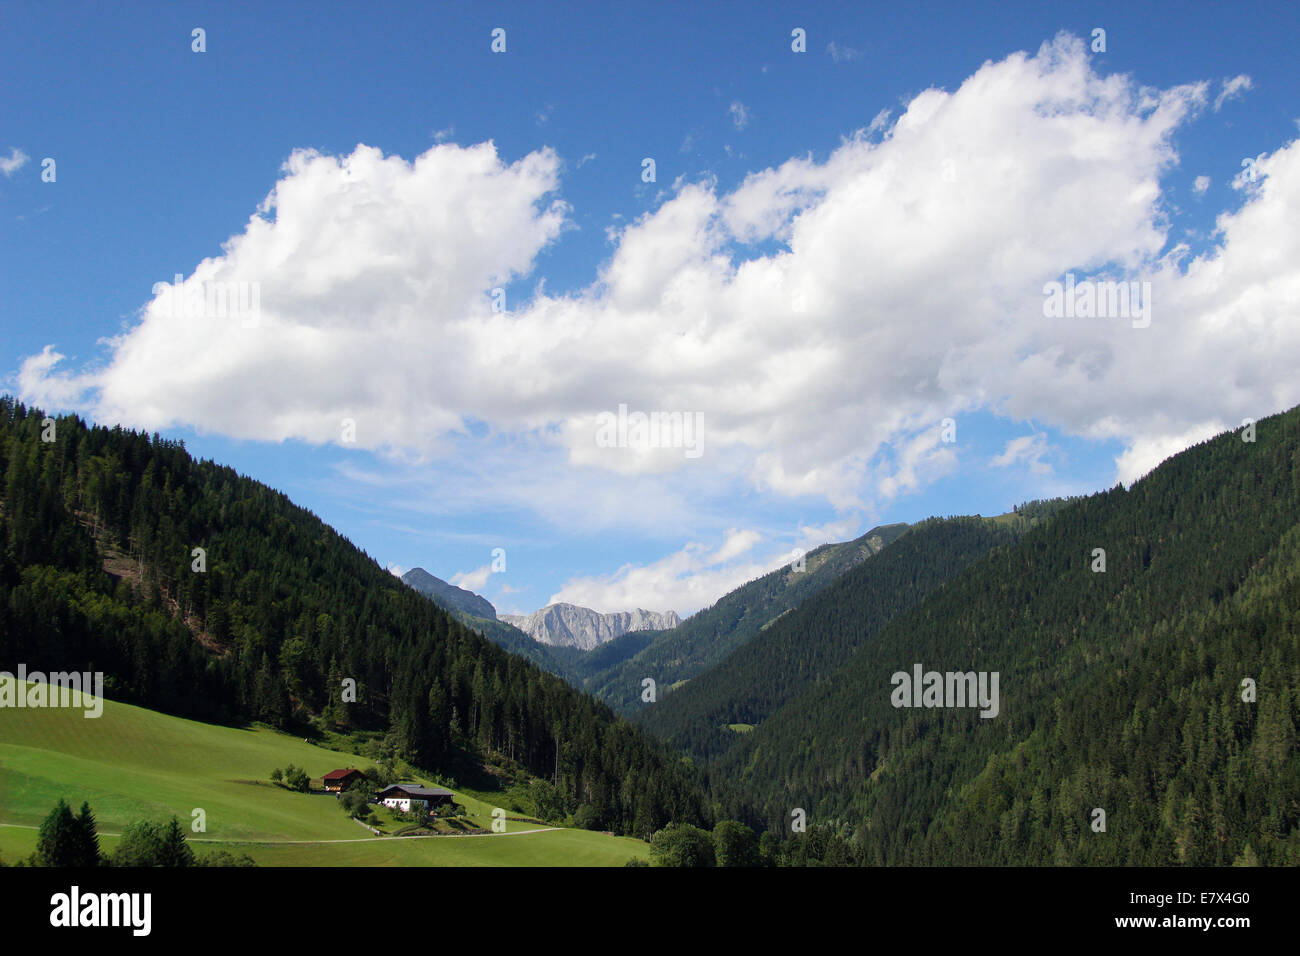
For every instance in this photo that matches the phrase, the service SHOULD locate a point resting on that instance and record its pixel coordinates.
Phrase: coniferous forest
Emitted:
(1147, 642)
(753, 682)
(99, 571)
(1161, 687)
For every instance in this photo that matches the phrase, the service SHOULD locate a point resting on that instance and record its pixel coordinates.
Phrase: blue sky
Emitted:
(915, 228)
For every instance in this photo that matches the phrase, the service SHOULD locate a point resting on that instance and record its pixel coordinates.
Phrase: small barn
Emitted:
(336, 781)
(404, 796)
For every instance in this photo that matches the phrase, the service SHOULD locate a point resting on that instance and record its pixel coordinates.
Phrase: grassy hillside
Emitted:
(132, 764)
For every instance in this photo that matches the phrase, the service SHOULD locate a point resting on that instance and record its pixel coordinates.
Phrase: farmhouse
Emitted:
(338, 780)
(402, 796)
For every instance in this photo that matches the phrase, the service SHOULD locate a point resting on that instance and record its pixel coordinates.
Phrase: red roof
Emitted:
(340, 774)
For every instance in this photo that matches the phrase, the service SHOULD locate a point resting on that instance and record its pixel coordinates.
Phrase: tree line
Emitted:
(66, 839)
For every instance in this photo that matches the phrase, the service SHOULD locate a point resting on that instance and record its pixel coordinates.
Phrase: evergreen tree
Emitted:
(174, 851)
(87, 838)
(59, 842)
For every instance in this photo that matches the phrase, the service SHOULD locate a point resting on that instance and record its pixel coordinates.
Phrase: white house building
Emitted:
(404, 796)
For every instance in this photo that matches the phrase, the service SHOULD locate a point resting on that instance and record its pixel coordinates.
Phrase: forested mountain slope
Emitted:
(1120, 690)
(810, 643)
(709, 636)
(272, 615)
(480, 616)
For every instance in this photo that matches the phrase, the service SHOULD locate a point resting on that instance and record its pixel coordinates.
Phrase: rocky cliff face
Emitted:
(567, 625)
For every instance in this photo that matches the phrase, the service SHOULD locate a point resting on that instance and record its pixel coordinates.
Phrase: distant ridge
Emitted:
(708, 636)
(448, 595)
(567, 625)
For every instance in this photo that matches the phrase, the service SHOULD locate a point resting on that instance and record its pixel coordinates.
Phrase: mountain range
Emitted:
(1142, 645)
(567, 625)
(610, 656)
(556, 625)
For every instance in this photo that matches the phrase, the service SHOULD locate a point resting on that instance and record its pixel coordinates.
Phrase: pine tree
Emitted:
(58, 841)
(87, 837)
(175, 851)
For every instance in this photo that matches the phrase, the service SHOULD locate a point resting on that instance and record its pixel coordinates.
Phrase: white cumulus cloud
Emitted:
(684, 581)
(472, 580)
(1027, 449)
(907, 287)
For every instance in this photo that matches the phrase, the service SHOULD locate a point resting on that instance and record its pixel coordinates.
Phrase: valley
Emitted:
(947, 691)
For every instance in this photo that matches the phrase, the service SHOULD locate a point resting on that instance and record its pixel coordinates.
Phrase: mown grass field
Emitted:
(133, 764)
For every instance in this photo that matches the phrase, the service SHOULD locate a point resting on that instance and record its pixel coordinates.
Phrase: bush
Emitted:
(225, 858)
(548, 800)
(296, 779)
(681, 844)
(735, 844)
(153, 844)
(386, 772)
(588, 817)
(353, 802)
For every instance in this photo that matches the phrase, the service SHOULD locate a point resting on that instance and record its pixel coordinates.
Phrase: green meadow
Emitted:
(133, 764)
